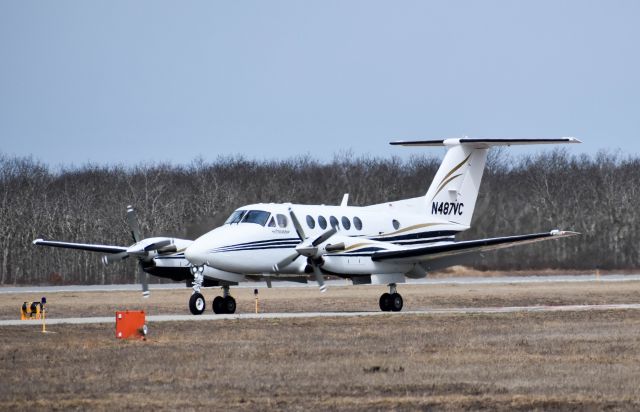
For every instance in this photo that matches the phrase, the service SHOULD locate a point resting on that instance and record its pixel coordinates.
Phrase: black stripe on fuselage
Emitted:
(242, 246)
(258, 242)
(257, 247)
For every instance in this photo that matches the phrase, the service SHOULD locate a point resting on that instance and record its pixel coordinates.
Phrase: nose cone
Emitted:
(196, 253)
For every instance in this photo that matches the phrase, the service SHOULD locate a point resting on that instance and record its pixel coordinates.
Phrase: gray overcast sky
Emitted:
(131, 81)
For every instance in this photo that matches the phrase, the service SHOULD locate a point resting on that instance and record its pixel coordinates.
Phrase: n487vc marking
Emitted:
(446, 208)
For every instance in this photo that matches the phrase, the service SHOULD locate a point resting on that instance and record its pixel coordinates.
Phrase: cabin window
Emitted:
(334, 222)
(259, 217)
(235, 217)
(322, 222)
(272, 222)
(357, 223)
(310, 222)
(346, 224)
(396, 224)
(282, 220)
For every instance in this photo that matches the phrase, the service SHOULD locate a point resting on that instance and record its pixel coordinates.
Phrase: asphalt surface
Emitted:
(297, 315)
(426, 281)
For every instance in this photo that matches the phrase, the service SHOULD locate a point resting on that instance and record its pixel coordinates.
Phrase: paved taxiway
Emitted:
(427, 281)
(239, 316)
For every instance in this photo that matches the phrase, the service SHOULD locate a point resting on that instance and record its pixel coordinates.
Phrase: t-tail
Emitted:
(453, 193)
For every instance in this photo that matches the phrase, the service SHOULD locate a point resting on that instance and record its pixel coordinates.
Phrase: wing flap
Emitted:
(428, 253)
(80, 246)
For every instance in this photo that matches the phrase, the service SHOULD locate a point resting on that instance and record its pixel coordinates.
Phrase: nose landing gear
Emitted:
(197, 304)
(391, 301)
(221, 304)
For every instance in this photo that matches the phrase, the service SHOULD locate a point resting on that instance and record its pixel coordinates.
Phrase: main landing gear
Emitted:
(225, 303)
(391, 301)
(221, 304)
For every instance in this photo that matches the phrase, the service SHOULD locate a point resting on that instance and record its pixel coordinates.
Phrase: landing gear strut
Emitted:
(225, 303)
(197, 304)
(221, 304)
(391, 301)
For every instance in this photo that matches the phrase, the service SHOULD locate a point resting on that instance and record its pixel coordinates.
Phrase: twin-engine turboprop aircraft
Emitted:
(378, 244)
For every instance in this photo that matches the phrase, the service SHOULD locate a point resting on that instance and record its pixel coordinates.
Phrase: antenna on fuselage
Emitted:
(345, 199)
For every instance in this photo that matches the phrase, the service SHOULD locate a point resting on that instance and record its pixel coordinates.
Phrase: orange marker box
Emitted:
(131, 324)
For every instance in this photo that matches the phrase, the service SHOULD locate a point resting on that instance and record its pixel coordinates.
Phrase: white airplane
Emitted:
(379, 244)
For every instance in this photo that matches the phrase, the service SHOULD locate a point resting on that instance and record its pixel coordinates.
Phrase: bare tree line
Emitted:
(595, 195)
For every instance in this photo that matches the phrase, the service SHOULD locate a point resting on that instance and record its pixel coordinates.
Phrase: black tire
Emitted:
(396, 302)
(385, 302)
(218, 306)
(197, 304)
(229, 305)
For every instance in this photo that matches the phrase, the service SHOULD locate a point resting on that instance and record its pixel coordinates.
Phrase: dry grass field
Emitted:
(526, 361)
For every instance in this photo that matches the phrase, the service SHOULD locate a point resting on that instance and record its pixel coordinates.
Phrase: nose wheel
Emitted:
(197, 304)
(391, 301)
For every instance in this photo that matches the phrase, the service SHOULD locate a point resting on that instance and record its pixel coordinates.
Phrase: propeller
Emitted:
(132, 220)
(308, 249)
(140, 250)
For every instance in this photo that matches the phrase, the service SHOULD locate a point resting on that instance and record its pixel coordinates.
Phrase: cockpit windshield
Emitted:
(235, 217)
(259, 217)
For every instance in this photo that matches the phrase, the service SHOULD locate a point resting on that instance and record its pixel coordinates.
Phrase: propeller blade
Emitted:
(132, 220)
(144, 280)
(285, 262)
(319, 278)
(323, 237)
(335, 248)
(297, 225)
(158, 245)
(116, 257)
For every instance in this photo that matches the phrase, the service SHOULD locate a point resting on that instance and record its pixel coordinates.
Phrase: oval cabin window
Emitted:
(310, 222)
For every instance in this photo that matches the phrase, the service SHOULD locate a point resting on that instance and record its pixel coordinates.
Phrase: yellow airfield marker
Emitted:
(255, 292)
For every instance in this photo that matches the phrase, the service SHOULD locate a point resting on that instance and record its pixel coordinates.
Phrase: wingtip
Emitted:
(36, 241)
(557, 232)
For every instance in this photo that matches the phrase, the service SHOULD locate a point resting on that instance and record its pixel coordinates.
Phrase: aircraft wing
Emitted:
(442, 252)
(80, 246)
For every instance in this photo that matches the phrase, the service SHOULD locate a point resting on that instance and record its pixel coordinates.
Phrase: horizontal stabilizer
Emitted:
(483, 143)
(427, 253)
(80, 246)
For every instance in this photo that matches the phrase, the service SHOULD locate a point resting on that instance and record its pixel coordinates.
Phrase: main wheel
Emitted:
(385, 302)
(218, 306)
(229, 305)
(396, 302)
(197, 304)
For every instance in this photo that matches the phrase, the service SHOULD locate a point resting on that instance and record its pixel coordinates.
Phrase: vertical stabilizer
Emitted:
(453, 193)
